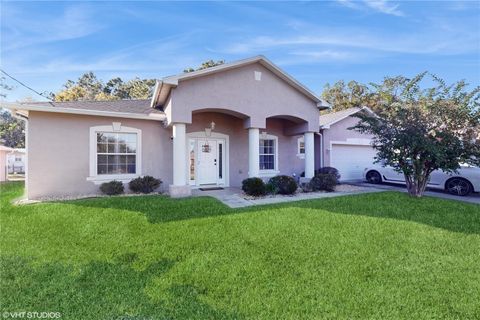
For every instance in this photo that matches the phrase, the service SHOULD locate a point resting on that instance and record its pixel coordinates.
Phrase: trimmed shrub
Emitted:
(325, 182)
(306, 187)
(112, 188)
(284, 184)
(329, 170)
(270, 188)
(146, 184)
(325, 170)
(253, 187)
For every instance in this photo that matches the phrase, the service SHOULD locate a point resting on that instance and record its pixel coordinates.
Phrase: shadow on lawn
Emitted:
(439, 213)
(100, 290)
(159, 209)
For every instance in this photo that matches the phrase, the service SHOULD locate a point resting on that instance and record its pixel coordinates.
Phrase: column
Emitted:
(253, 152)
(309, 154)
(180, 188)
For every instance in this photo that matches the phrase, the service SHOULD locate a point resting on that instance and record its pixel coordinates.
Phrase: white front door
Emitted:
(207, 161)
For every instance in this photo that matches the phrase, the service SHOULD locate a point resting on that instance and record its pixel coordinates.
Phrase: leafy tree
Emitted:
(72, 93)
(418, 130)
(139, 88)
(353, 94)
(91, 84)
(12, 130)
(89, 87)
(205, 65)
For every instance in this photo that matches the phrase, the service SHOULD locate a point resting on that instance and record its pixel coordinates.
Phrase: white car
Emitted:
(461, 183)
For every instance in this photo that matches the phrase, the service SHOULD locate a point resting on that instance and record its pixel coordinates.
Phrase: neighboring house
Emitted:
(12, 160)
(347, 150)
(4, 151)
(16, 161)
(213, 127)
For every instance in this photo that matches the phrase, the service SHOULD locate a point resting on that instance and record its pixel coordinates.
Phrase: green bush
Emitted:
(146, 184)
(326, 170)
(254, 187)
(270, 188)
(325, 182)
(284, 184)
(112, 188)
(306, 187)
(329, 170)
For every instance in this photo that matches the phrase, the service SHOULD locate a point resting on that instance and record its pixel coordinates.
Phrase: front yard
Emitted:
(382, 255)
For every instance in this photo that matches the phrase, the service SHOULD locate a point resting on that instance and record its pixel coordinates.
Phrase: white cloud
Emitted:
(21, 29)
(349, 4)
(384, 6)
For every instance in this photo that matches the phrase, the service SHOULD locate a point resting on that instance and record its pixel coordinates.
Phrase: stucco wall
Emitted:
(237, 90)
(339, 132)
(288, 161)
(58, 152)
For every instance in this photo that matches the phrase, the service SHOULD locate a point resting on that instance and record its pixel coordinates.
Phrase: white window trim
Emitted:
(276, 171)
(116, 127)
(299, 154)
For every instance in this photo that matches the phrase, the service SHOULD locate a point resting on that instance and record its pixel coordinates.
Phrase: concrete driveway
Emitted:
(472, 198)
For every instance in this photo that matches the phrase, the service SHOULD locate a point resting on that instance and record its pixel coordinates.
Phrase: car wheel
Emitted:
(374, 177)
(458, 187)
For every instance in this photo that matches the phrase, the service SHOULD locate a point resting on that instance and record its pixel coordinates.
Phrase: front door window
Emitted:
(220, 160)
(191, 157)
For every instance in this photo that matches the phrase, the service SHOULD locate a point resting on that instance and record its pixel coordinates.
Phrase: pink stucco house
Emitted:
(213, 127)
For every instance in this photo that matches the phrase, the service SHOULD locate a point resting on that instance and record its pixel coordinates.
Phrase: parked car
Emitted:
(461, 183)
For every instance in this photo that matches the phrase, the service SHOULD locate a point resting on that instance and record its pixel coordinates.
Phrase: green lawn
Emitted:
(370, 256)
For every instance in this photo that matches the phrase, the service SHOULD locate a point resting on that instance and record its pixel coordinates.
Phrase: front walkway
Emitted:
(235, 198)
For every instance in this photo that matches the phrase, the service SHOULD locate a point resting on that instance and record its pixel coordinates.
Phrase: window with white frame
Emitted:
(116, 153)
(268, 153)
(301, 147)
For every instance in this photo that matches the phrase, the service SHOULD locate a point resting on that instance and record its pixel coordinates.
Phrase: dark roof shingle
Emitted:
(124, 106)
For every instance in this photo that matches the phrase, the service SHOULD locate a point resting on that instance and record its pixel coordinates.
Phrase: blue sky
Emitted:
(45, 43)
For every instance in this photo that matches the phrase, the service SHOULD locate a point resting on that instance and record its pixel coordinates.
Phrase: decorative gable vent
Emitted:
(258, 75)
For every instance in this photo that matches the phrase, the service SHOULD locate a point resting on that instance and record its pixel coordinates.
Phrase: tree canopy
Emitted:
(418, 129)
(12, 130)
(343, 96)
(205, 65)
(89, 87)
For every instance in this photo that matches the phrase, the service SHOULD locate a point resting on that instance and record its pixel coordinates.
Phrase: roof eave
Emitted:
(161, 92)
(24, 109)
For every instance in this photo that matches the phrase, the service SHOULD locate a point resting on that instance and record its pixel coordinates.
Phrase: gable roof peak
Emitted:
(163, 86)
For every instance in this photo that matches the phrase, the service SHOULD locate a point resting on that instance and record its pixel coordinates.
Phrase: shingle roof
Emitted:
(333, 117)
(125, 106)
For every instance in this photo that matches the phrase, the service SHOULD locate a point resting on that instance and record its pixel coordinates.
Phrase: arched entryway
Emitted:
(209, 154)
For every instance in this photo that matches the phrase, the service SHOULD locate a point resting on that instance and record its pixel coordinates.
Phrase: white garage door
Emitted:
(351, 160)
